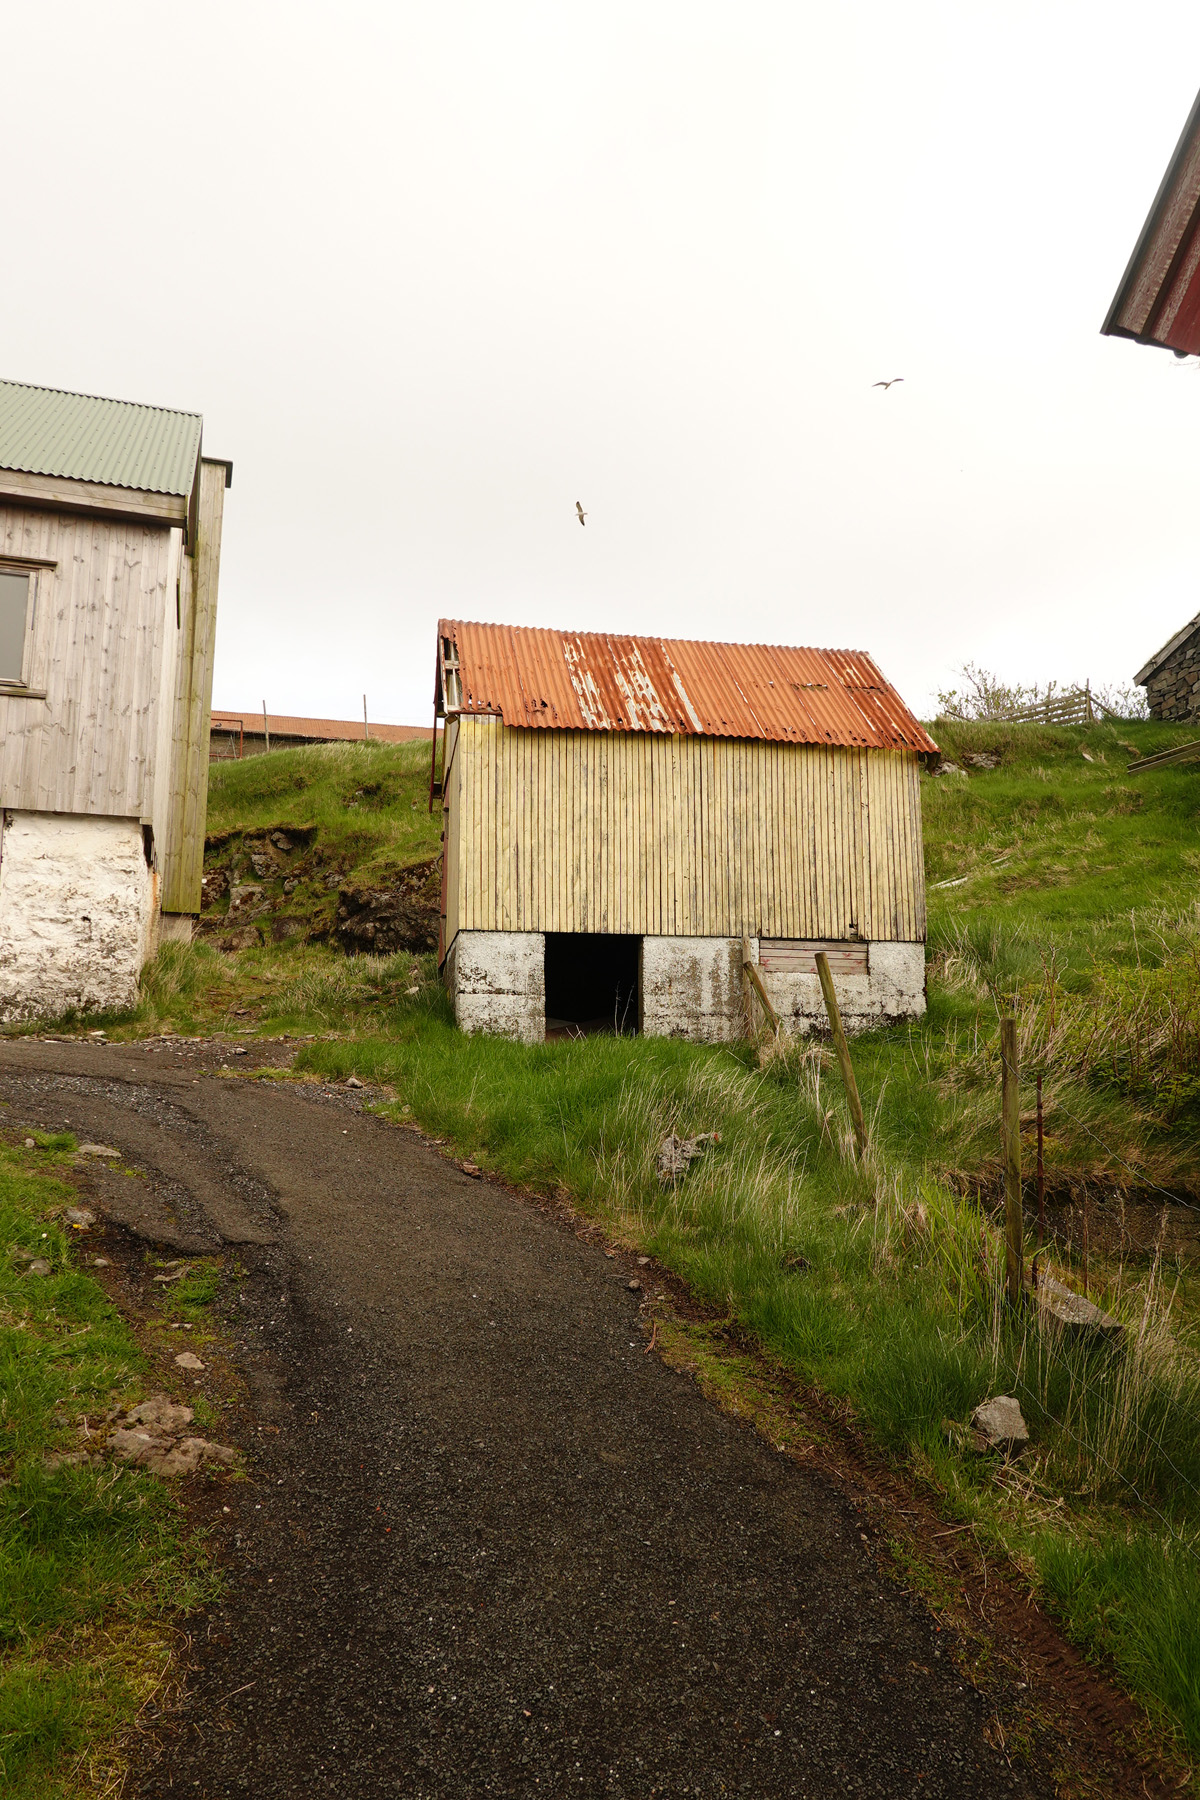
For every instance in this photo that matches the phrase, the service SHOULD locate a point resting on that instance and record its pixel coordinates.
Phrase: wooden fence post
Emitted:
(843, 1051)
(756, 981)
(1014, 1224)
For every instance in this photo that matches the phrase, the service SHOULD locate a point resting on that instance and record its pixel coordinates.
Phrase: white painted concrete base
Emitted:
(497, 980)
(691, 987)
(892, 989)
(76, 912)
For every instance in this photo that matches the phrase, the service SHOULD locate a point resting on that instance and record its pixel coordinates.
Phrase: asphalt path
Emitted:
(490, 1546)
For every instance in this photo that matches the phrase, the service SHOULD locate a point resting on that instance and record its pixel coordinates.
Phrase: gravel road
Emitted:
(490, 1545)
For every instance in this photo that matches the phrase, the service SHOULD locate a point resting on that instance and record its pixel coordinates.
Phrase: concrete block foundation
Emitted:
(893, 988)
(77, 909)
(690, 987)
(497, 980)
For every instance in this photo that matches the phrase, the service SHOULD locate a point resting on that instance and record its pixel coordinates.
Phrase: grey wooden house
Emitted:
(110, 539)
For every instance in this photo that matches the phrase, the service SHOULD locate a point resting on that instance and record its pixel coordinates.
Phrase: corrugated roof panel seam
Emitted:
(602, 682)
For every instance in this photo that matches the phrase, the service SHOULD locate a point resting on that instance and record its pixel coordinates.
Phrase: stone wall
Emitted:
(691, 987)
(1173, 690)
(77, 912)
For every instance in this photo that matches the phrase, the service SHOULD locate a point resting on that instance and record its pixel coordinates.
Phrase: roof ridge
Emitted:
(659, 637)
(38, 387)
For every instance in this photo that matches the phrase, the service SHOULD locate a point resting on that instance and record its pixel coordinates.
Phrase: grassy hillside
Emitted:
(1061, 887)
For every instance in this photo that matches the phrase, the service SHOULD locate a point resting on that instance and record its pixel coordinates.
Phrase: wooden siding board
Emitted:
(193, 699)
(642, 833)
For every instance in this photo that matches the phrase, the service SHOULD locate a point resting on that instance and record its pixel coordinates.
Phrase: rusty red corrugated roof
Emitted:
(286, 725)
(597, 681)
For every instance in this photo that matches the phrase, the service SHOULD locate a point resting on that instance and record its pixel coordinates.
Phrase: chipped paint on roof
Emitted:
(598, 681)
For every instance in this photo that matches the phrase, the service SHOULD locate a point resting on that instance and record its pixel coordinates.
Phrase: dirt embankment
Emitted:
(278, 882)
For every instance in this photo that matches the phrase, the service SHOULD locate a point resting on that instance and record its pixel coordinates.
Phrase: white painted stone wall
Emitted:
(497, 980)
(893, 988)
(692, 988)
(77, 908)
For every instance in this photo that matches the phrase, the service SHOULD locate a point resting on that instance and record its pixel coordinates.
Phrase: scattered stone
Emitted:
(1086, 757)
(160, 1413)
(172, 1275)
(643, 1262)
(635, 1287)
(240, 1050)
(675, 1153)
(97, 1150)
(97, 1034)
(29, 1144)
(409, 992)
(188, 1360)
(470, 1168)
(81, 1217)
(1001, 1425)
(948, 768)
(1060, 1306)
(39, 1266)
(354, 1082)
(100, 1262)
(977, 760)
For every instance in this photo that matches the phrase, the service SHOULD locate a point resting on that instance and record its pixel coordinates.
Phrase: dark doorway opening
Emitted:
(591, 982)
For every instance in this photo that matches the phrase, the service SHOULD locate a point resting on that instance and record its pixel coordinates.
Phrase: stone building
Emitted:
(110, 540)
(1172, 676)
(627, 818)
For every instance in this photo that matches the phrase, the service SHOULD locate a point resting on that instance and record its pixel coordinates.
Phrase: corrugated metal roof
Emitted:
(84, 438)
(287, 725)
(594, 681)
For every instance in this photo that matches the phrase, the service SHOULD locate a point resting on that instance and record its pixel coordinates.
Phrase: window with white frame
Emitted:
(16, 607)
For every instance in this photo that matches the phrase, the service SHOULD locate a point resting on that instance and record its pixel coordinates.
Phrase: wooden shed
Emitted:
(110, 539)
(622, 812)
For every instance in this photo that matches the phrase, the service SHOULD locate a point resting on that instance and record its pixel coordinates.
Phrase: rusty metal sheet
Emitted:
(1158, 301)
(597, 681)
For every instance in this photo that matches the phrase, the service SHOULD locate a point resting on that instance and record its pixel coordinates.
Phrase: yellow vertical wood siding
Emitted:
(680, 836)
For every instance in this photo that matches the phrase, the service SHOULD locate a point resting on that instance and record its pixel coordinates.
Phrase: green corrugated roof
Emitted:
(45, 432)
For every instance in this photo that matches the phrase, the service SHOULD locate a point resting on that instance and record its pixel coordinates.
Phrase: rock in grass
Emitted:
(80, 1216)
(353, 1081)
(1001, 1424)
(1058, 1305)
(39, 1266)
(97, 1150)
(676, 1153)
(160, 1413)
(187, 1360)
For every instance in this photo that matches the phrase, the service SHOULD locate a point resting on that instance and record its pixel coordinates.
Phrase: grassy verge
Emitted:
(94, 1562)
(1061, 887)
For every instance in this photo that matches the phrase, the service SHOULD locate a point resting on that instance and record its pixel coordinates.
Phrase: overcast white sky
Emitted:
(434, 272)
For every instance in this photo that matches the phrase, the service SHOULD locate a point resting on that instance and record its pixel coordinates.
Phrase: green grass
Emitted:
(92, 1560)
(1074, 903)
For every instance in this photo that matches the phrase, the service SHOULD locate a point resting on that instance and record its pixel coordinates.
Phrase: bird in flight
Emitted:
(580, 511)
(887, 384)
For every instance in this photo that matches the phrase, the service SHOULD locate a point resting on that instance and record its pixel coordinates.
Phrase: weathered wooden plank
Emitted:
(184, 861)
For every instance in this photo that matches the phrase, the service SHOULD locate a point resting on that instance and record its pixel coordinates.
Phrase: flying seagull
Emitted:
(580, 511)
(887, 384)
